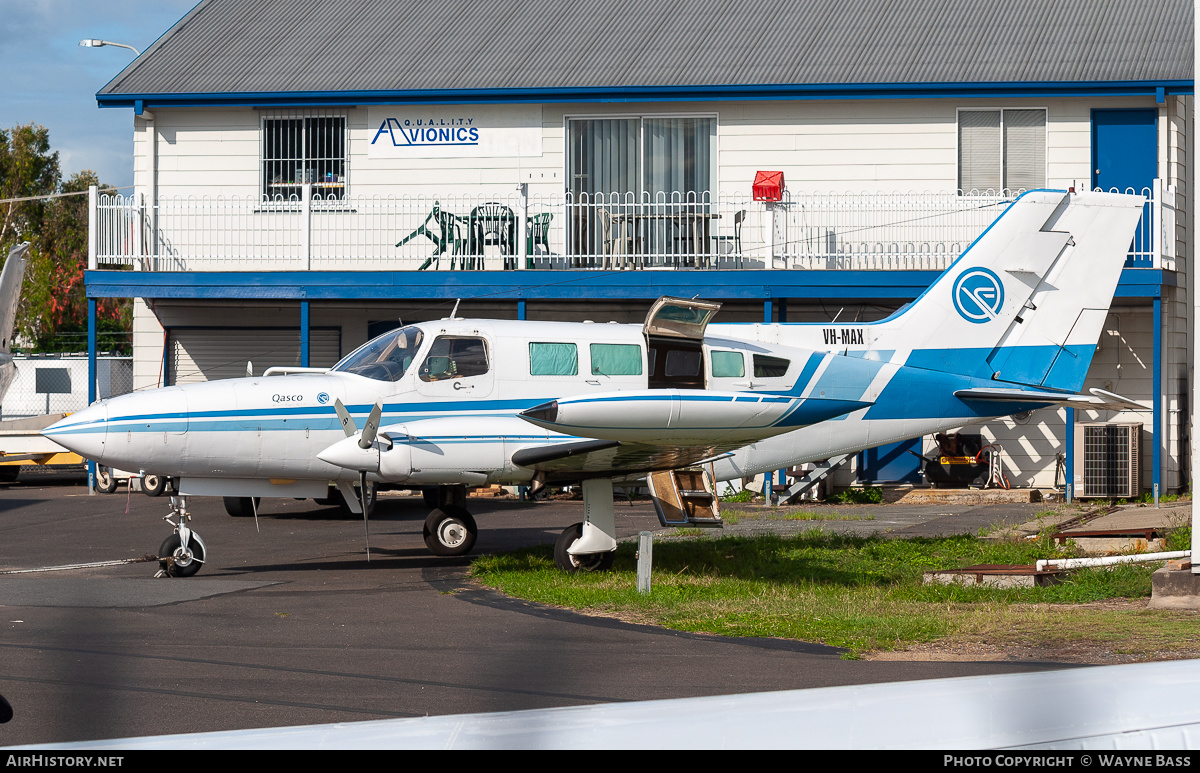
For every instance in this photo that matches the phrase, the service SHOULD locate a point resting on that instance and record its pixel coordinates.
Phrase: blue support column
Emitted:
(768, 312)
(91, 466)
(1069, 466)
(1156, 392)
(783, 310)
(304, 334)
(521, 309)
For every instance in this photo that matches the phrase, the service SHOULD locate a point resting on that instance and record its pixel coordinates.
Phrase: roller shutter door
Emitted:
(207, 354)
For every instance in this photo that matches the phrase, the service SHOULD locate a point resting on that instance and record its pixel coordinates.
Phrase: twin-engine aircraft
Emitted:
(10, 296)
(1011, 326)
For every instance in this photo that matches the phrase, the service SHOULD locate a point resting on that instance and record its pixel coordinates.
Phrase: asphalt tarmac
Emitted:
(289, 624)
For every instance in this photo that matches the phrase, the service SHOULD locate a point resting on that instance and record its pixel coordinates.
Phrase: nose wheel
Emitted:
(183, 553)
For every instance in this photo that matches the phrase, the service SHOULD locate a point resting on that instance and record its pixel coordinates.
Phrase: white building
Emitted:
(309, 172)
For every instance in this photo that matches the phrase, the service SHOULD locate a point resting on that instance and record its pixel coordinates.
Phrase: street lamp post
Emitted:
(97, 43)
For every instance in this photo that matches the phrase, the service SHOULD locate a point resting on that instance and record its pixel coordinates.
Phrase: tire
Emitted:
(106, 482)
(154, 485)
(450, 531)
(240, 507)
(9, 472)
(184, 566)
(588, 562)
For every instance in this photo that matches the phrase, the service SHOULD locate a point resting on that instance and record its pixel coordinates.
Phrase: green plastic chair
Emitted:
(537, 232)
(446, 237)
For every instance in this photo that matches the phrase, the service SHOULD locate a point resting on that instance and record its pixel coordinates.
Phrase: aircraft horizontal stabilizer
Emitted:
(1098, 400)
(684, 417)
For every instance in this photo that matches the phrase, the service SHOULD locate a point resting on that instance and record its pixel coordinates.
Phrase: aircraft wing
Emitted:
(613, 458)
(1098, 400)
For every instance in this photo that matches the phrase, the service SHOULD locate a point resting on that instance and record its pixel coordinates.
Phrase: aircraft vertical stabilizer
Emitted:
(10, 296)
(1025, 303)
(10, 292)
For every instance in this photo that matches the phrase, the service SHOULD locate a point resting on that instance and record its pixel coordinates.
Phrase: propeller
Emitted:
(369, 430)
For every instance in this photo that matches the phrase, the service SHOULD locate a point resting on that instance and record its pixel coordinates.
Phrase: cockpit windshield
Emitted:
(385, 358)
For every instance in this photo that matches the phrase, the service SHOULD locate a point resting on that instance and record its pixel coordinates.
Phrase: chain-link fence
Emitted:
(59, 383)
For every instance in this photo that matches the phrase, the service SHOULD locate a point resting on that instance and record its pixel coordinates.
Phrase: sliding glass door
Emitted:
(637, 185)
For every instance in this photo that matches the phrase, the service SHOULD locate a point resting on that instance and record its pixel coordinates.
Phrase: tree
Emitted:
(53, 311)
(27, 168)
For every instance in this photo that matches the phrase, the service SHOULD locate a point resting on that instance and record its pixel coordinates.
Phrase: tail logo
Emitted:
(978, 295)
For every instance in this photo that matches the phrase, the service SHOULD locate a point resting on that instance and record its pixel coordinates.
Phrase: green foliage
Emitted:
(743, 496)
(1179, 539)
(858, 496)
(53, 311)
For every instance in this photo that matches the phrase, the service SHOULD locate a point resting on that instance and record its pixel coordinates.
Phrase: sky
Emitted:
(47, 78)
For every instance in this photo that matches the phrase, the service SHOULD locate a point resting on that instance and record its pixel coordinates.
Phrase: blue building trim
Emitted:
(545, 285)
(673, 93)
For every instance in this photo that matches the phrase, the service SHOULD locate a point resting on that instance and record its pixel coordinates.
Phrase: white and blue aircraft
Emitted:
(10, 296)
(1011, 326)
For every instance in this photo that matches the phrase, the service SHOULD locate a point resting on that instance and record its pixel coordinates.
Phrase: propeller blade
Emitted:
(362, 494)
(371, 427)
(348, 425)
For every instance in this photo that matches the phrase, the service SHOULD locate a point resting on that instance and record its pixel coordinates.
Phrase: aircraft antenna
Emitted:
(454, 314)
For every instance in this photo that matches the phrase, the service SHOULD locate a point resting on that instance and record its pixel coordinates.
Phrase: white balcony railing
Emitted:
(863, 231)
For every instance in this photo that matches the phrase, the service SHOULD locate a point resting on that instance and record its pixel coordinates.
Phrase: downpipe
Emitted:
(1075, 563)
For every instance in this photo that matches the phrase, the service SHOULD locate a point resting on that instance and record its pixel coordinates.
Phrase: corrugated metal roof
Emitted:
(307, 46)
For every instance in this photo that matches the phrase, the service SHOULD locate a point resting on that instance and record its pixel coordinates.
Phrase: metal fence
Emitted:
(59, 384)
(457, 231)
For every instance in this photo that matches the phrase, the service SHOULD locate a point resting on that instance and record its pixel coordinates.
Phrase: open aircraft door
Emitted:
(674, 339)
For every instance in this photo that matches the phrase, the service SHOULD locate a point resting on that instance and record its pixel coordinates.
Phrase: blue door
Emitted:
(891, 463)
(1124, 156)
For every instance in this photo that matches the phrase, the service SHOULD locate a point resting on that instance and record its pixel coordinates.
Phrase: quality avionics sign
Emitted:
(475, 131)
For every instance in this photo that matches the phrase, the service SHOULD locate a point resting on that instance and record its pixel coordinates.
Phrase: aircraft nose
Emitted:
(83, 432)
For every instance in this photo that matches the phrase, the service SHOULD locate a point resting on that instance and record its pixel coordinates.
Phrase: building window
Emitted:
(303, 150)
(1001, 149)
(621, 167)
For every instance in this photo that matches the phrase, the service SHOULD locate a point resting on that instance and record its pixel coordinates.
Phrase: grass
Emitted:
(861, 593)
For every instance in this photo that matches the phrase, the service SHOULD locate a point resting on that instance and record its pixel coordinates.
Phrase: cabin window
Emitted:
(385, 358)
(770, 367)
(728, 365)
(455, 357)
(303, 150)
(616, 360)
(1001, 149)
(549, 359)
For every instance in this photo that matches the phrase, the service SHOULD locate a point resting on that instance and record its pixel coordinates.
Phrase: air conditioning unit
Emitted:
(1107, 460)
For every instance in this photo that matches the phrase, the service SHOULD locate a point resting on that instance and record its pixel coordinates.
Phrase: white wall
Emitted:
(871, 145)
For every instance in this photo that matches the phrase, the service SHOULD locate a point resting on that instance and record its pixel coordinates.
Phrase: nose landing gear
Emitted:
(183, 553)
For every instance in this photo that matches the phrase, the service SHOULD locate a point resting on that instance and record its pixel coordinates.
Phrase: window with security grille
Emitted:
(1001, 149)
(300, 151)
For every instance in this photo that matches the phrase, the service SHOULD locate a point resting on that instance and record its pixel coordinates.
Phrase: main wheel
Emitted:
(585, 562)
(179, 562)
(154, 485)
(106, 482)
(240, 507)
(450, 531)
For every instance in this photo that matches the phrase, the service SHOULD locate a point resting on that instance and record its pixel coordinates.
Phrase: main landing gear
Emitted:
(183, 553)
(449, 530)
(590, 546)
